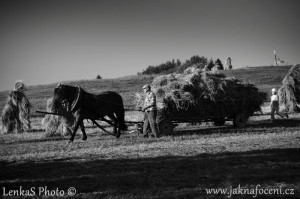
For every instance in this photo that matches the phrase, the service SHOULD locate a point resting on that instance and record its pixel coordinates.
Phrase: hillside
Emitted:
(265, 78)
(193, 162)
(126, 86)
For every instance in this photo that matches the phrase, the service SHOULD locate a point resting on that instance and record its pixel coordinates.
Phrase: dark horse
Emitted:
(89, 106)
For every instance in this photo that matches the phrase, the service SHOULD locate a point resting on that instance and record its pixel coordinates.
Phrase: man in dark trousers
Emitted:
(150, 110)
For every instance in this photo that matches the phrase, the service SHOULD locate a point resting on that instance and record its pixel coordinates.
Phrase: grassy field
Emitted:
(265, 78)
(126, 86)
(184, 165)
(262, 156)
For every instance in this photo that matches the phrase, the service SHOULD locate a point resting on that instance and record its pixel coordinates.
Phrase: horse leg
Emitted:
(114, 119)
(84, 137)
(117, 130)
(120, 118)
(76, 126)
(118, 133)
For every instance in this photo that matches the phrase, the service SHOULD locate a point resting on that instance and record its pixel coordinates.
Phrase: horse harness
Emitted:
(78, 100)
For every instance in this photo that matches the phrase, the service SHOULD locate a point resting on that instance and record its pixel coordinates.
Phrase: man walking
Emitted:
(150, 112)
(275, 105)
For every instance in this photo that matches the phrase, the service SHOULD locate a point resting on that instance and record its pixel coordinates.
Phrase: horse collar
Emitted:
(78, 98)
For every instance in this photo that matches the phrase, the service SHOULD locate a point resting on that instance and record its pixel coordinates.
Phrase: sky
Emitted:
(50, 41)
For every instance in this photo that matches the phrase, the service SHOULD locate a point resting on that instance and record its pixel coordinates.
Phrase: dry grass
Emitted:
(16, 113)
(128, 86)
(58, 125)
(289, 91)
(206, 94)
(178, 166)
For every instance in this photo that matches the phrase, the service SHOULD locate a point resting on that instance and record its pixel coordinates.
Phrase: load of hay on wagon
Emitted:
(206, 95)
(289, 92)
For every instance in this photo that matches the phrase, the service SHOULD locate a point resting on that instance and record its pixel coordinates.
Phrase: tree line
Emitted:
(179, 67)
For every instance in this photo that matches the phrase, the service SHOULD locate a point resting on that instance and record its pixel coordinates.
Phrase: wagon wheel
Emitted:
(219, 122)
(165, 127)
(240, 120)
(160, 115)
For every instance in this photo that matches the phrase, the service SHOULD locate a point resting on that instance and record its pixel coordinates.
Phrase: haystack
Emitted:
(206, 94)
(16, 113)
(289, 92)
(58, 125)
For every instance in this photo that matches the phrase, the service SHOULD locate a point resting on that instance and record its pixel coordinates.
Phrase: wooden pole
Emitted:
(275, 57)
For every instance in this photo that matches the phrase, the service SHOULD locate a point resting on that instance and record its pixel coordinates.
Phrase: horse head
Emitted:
(63, 96)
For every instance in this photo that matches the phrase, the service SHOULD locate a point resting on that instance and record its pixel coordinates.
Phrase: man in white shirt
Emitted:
(275, 105)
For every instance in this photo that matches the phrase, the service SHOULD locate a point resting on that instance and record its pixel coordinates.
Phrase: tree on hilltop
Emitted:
(98, 77)
(220, 64)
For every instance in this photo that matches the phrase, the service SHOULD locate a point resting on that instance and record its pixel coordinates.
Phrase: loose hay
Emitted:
(203, 94)
(15, 115)
(289, 92)
(58, 125)
(139, 100)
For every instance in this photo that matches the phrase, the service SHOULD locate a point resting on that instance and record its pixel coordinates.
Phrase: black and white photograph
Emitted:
(149, 99)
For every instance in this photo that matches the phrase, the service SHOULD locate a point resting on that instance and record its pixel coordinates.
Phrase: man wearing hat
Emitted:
(275, 105)
(150, 112)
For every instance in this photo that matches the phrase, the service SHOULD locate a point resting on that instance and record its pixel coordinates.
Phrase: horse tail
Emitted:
(120, 112)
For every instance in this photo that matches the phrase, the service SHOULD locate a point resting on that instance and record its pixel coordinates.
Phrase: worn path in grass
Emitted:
(181, 166)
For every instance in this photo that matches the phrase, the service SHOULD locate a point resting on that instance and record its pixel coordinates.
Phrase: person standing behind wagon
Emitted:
(150, 110)
(275, 105)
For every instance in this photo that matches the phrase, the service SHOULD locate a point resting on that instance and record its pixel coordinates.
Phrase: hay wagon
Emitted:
(204, 97)
(218, 112)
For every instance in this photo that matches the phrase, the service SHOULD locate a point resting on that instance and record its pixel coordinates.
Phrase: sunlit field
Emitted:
(199, 160)
(184, 165)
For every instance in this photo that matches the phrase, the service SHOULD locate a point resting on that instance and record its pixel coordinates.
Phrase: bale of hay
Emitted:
(16, 113)
(58, 125)
(289, 92)
(192, 69)
(206, 94)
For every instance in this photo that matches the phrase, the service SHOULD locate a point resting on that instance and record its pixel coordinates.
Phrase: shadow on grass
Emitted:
(37, 130)
(277, 123)
(44, 139)
(159, 177)
(257, 126)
